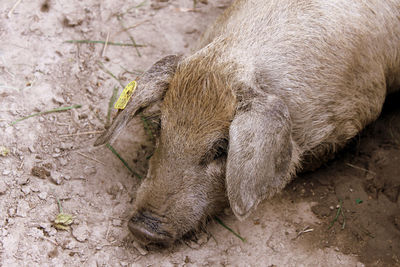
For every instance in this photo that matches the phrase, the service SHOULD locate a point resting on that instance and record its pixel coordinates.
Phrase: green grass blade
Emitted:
(123, 161)
(337, 214)
(229, 229)
(46, 112)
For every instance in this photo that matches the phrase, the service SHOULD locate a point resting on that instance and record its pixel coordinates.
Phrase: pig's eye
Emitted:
(218, 150)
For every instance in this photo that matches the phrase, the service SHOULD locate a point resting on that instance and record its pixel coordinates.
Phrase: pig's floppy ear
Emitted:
(151, 88)
(259, 161)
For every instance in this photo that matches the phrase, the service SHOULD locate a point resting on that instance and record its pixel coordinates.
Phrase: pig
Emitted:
(273, 88)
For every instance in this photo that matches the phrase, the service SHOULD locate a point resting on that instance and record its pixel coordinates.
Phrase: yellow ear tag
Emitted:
(125, 95)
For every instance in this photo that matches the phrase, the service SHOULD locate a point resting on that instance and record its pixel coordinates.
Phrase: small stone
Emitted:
(26, 190)
(123, 263)
(331, 207)
(11, 212)
(41, 119)
(116, 222)
(56, 178)
(45, 226)
(360, 264)
(139, 248)
(73, 20)
(3, 188)
(35, 189)
(31, 149)
(66, 146)
(6, 172)
(23, 180)
(80, 232)
(63, 161)
(58, 100)
(22, 209)
(42, 195)
(71, 245)
(56, 155)
(57, 150)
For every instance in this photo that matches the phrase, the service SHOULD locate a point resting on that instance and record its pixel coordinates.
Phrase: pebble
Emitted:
(3, 188)
(11, 212)
(22, 209)
(26, 190)
(57, 150)
(31, 148)
(89, 90)
(34, 189)
(66, 146)
(360, 264)
(80, 232)
(71, 245)
(56, 177)
(23, 180)
(45, 226)
(41, 119)
(42, 195)
(141, 250)
(63, 161)
(58, 100)
(6, 172)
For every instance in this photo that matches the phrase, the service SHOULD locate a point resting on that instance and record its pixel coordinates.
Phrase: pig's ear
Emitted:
(260, 155)
(151, 89)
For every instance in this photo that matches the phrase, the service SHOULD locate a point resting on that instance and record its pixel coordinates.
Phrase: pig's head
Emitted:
(218, 145)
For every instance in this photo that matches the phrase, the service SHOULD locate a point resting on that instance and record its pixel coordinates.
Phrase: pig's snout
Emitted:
(148, 229)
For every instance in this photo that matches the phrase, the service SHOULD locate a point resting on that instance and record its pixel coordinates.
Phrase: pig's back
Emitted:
(329, 60)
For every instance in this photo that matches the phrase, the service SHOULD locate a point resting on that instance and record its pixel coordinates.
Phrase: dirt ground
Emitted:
(50, 157)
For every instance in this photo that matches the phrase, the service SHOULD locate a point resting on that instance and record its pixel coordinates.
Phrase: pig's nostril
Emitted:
(147, 229)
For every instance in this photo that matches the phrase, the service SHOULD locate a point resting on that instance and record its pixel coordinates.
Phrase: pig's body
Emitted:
(273, 87)
(331, 62)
